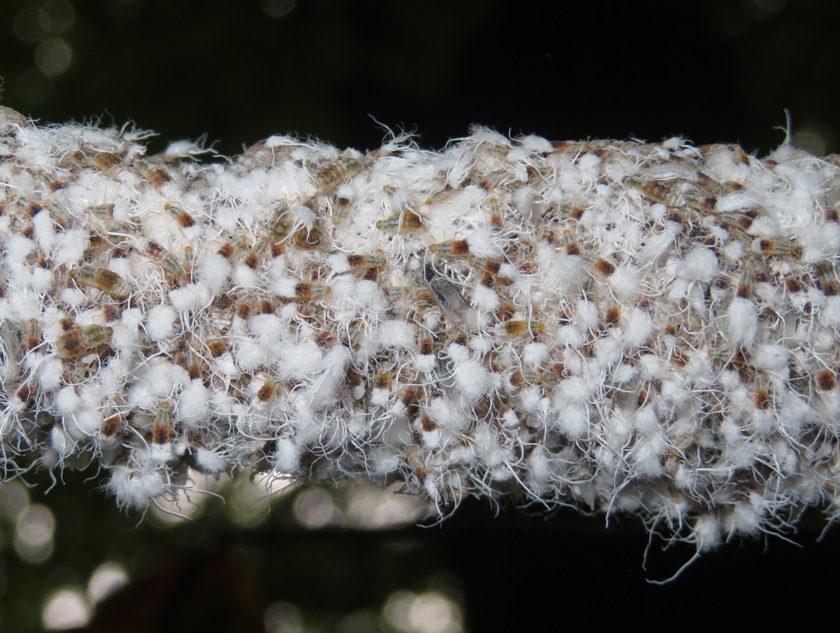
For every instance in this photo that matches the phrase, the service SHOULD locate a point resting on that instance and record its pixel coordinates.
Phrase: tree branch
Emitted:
(617, 326)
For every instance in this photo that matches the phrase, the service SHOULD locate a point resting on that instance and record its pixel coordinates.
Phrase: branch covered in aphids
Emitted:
(617, 326)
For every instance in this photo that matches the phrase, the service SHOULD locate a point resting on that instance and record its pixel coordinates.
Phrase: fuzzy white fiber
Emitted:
(618, 326)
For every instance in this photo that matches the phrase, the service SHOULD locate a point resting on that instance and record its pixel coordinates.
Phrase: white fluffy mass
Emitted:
(621, 326)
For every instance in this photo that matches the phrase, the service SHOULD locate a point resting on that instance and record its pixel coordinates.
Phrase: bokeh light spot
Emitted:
(428, 612)
(27, 25)
(14, 497)
(105, 580)
(65, 609)
(34, 532)
(314, 508)
(277, 8)
(57, 16)
(282, 617)
(53, 56)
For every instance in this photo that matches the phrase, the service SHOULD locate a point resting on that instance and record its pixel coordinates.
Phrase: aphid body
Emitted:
(79, 341)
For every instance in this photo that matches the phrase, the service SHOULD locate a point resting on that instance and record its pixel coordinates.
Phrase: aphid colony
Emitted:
(620, 326)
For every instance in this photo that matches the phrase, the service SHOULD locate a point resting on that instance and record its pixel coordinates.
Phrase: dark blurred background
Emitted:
(711, 71)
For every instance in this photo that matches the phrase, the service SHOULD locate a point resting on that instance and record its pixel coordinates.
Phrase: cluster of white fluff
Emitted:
(615, 326)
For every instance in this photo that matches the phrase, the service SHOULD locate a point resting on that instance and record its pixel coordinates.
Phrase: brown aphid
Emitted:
(826, 280)
(792, 284)
(162, 257)
(196, 370)
(306, 291)
(158, 176)
(426, 345)
(612, 316)
(517, 380)
(825, 380)
(411, 402)
(33, 335)
(497, 221)
(488, 266)
(251, 260)
(522, 327)
(266, 391)
(573, 248)
(355, 378)
(405, 221)
(678, 357)
(112, 312)
(24, 394)
(559, 371)
(831, 214)
(107, 162)
(604, 267)
(216, 346)
(184, 219)
(307, 239)
(383, 379)
(761, 276)
(104, 212)
(223, 302)
(371, 274)
(763, 401)
(493, 180)
(243, 309)
(79, 341)
(777, 247)
(226, 250)
(829, 287)
(427, 423)
(452, 248)
(506, 311)
(103, 279)
(278, 248)
(324, 339)
(163, 423)
(577, 213)
(265, 307)
(330, 175)
(824, 269)
(367, 260)
(110, 425)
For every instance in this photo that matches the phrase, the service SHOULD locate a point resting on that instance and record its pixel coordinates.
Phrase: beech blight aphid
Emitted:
(184, 219)
(77, 342)
(448, 297)
(522, 327)
(266, 391)
(330, 175)
(454, 248)
(162, 257)
(407, 221)
(103, 279)
(162, 423)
